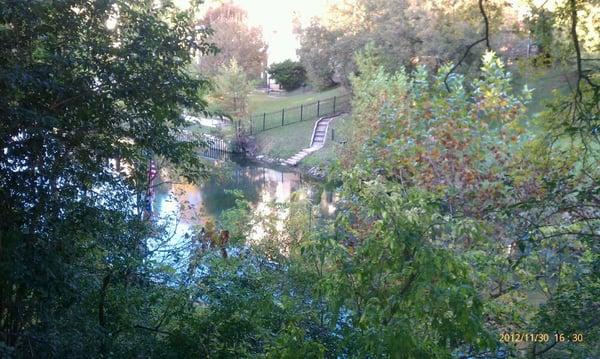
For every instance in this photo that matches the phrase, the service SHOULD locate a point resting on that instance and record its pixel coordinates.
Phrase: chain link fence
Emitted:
(305, 112)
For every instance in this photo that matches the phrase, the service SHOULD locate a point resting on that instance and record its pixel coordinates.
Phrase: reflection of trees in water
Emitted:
(216, 154)
(253, 181)
(215, 195)
(258, 184)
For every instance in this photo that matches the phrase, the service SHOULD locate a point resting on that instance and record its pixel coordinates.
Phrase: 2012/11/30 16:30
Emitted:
(540, 337)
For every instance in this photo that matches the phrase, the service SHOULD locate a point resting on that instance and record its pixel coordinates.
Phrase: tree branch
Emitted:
(101, 315)
(152, 329)
(575, 38)
(459, 62)
(548, 347)
(403, 291)
(486, 39)
(486, 23)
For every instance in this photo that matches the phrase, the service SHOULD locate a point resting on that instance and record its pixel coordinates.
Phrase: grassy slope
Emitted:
(543, 81)
(261, 102)
(283, 142)
(326, 155)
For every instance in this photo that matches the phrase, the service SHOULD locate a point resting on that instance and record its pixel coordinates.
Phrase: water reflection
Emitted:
(186, 205)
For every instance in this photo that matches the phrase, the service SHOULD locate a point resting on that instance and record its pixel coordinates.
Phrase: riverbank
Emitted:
(277, 145)
(314, 172)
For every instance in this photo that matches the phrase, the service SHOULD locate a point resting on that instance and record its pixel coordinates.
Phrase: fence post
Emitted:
(332, 133)
(264, 118)
(333, 104)
(251, 124)
(282, 115)
(301, 108)
(318, 107)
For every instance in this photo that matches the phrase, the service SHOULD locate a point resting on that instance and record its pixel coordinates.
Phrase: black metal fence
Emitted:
(287, 116)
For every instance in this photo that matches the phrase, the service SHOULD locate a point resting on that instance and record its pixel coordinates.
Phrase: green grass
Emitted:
(544, 81)
(296, 107)
(342, 129)
(261, 102)
(284, 142)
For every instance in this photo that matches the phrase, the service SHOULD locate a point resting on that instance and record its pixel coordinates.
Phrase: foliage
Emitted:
(440, 151)
(237, 219)
(527, 202)
(316, 53)
(249, 305)
(231, 90)
(236, 40)
(74, 94)
(405, 33)
(233, 312)
(454, 224)
(551, 29)
(396, 291)
(289, 74)
(541, 23)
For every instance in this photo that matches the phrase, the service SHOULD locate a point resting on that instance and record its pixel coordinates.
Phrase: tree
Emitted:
(550, 29)
(406, 33)
(235, 40)
(231, 90)
(316, 53)
(540, 25)
(82, 83)
(454, 223)
(522, 204)
(289, 74)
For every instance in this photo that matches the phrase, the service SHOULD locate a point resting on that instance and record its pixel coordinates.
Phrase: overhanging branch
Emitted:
(486, 38)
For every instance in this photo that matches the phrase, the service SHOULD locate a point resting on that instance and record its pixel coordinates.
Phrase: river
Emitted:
(184, 206)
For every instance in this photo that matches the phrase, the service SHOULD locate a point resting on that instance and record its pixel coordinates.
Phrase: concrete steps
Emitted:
(317, 141)
(320, 131)
(292, 161)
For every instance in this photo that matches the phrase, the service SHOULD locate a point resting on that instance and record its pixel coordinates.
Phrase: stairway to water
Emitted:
(317, 141)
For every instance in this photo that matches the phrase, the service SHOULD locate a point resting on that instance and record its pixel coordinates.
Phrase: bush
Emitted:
(289, 74)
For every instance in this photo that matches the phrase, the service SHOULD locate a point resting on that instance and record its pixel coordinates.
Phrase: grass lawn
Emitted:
(261, 102)
(544, 81)
(324, 157)
(286, 141)
(283, 142)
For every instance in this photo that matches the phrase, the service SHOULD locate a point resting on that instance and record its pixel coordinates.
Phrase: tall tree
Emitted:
(231, 90)
(235, 39)
(82, 83)
(405, 33)
(316, 53)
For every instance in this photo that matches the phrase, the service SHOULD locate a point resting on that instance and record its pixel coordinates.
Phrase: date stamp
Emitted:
(541, 337)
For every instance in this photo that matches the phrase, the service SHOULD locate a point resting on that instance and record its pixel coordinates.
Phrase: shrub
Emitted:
(289, 74)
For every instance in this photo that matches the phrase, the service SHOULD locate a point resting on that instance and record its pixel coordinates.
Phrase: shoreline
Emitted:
(312, 172)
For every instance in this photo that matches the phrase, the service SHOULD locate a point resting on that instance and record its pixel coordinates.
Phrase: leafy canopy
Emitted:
(289, 74)
(85, 106)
